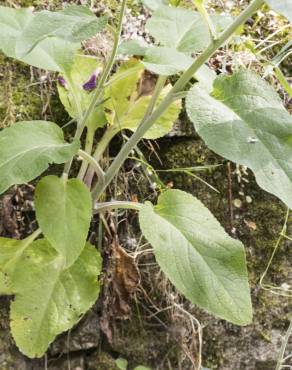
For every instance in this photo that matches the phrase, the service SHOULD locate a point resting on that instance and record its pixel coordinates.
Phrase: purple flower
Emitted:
(62, 82)
(91, 83)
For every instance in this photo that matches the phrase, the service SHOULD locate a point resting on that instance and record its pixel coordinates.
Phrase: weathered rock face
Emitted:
(159, 332)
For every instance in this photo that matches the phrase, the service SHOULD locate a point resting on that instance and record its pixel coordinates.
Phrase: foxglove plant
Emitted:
(56, 262)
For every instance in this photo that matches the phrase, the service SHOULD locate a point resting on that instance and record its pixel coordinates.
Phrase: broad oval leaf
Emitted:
(196, 254)
(74, 24)
(27, 149)
(49, 299)
(63, 211)
(283, 7)
(162, 126)
(183, 29)
(245, 122)
(53, 54)
(166, 61)
(125, 108)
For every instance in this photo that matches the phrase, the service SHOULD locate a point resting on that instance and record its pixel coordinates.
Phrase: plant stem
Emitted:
(110, 132)
(100, 86)
(178, 87)
(88, 149)
(158, 87)
(282, 79)
(101, 147)
(101, 207)
(283, 347)
(114, 129)
(33, 236)
(89, 159)
(205, 15)
(109, 65)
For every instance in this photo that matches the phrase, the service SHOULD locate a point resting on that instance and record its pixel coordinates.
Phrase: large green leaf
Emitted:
(125, 108)
(166, 61)
(74, 97)
(179, 32)
(182, 29)
(27, 149)
(52, 54)
(196, 254)
(63, 210)
(161, 127)
(244, 120)
(11, 251)
(282, 6)
(74, 23)
(154, 4)
(49, 299)
(123, 90)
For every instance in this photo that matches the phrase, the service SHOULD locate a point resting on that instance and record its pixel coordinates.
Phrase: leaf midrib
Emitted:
(32, 149)
(203, 259)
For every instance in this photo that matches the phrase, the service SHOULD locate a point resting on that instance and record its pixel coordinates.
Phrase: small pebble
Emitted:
(248, 199)
(237, 203)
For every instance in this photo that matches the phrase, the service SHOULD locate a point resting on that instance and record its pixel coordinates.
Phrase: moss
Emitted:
(101, 361)
(25, 92)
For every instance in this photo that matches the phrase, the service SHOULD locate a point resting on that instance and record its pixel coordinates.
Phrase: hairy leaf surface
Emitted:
(74, 24)
(283, 7)
(200, 259)
(63, 210)
(52, 53)
(182, 29)
(244, 121)
(49, 299)
(27, 149)
(11, 251)
(23, 35)
(179, 32)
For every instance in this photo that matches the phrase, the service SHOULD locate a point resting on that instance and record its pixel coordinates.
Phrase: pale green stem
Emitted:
(285, 84)
(109, 65)
(158, 87)
(89, 159)
(283, 347)
(33, 236)
(116, 204)
(123, 75)
(88, 149)
(97, 96)
(114, 129)
(205, 15)
(178, 87)
(110, 132)
(278, 243)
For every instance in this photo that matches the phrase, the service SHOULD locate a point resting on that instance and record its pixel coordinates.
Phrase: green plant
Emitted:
(54, 279)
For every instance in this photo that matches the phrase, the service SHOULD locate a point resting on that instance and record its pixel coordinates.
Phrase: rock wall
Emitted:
(159, 332)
